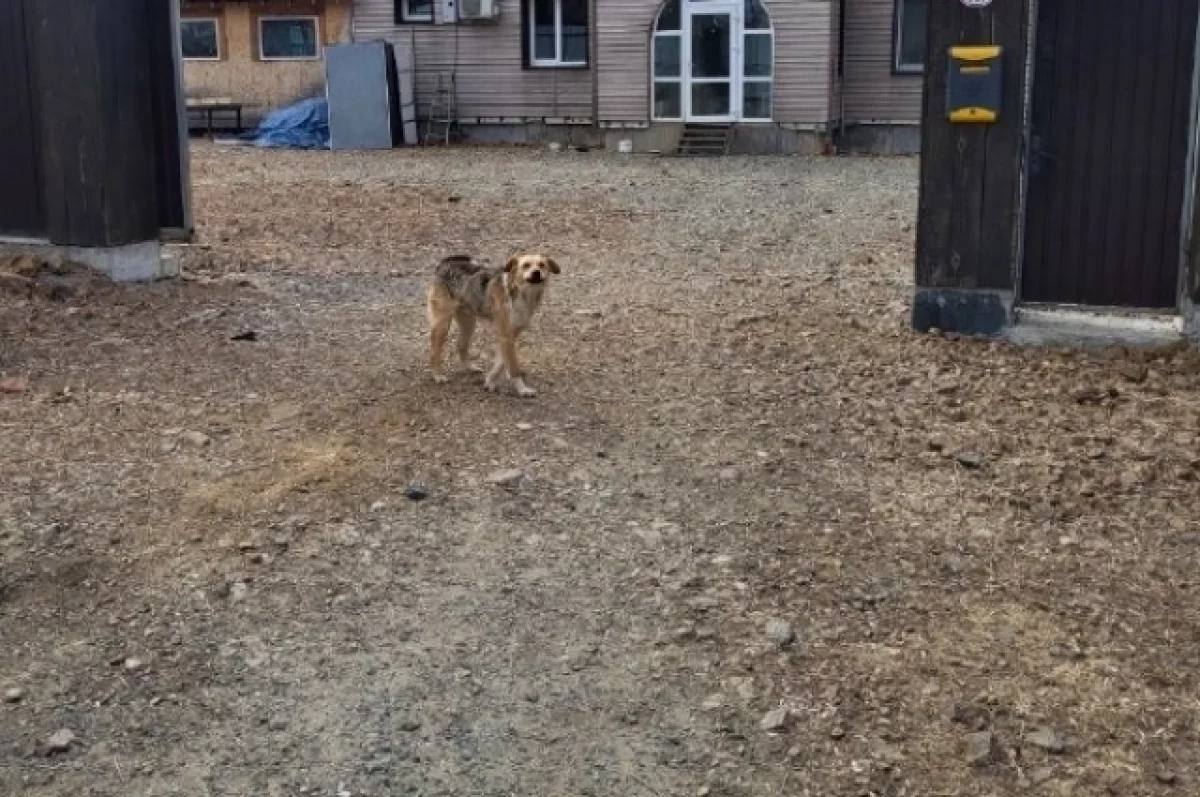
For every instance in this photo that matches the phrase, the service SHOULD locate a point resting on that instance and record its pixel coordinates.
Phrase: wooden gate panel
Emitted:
(1110, 119)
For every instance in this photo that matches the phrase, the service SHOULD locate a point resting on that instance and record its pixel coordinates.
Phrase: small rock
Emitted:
(713, 702)
(524, 427)
(795, 752)
(780, 632)
(1166, 777)
(14, 384)
(508, 477)
(981, 747)
(197, 439)
(133, 664)
(971, 460)
(60, 741)
(416, 492)
(585, 313)
(248, 335)
(1048, 739)
(728, 474)
(14, 694)
(775, 720)
(409, 726)
(238, 591)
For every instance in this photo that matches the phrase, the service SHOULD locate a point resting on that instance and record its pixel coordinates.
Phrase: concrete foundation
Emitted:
(966, 312)
(660, 137)
(141, 262)
(1079, 328)
(879, 139)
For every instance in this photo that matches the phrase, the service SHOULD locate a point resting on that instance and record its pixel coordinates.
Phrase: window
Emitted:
(414, 10)
(668, 58)
(758, 61)
(558, 32)
(910, 36)
(199, 39)
(287, 38)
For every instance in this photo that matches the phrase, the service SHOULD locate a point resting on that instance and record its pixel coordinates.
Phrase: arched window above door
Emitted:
(712, 60)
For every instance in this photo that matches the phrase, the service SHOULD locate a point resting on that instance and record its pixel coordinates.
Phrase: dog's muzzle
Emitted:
(535, 277)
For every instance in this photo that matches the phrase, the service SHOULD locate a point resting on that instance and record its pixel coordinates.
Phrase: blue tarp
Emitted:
(304, 125)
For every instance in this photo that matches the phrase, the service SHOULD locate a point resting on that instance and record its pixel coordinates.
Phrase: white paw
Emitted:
(441, 379)
(489, 386)
(525, 391)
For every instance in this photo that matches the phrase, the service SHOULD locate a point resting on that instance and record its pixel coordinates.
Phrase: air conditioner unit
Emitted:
(478, 10)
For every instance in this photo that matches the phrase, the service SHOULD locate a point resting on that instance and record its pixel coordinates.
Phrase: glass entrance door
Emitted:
(711, 61)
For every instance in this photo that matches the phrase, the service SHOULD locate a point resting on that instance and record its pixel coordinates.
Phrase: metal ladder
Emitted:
(443, 111)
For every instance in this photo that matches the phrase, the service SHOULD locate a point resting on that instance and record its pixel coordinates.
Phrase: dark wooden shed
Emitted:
(1082, 192)
(90, 126)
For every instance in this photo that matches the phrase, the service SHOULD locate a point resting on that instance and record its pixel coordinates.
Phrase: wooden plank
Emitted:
(970, 160)
(97, 150)
(21, 206)
(936, 199)
(1038, 232)
(1002, 158)
(165, 114)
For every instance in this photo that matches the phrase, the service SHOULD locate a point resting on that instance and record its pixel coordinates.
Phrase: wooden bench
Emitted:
(208, 108)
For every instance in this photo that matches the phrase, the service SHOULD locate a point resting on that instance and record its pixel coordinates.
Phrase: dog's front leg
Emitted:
(506, 360)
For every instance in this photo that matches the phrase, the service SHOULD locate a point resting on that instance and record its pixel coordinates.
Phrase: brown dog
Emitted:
(465, 290)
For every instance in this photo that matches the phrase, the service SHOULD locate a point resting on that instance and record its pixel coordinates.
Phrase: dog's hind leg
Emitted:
(466, 329)
(441, 313)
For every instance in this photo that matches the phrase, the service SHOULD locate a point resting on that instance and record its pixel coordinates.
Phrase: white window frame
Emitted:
(676, 79)
(534, 61)
(769, 78)
(897, 44)
(408, 16)
(216, 23)
(316, 21)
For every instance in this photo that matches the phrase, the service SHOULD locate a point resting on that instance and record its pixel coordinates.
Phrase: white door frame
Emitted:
(735, 10)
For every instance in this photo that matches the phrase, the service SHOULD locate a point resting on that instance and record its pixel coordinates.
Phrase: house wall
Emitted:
(486, 59)
(804, 52)
(870, 90)
(240, 75)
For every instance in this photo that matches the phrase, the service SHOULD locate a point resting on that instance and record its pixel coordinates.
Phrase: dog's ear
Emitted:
(553, 266)
(512, 263)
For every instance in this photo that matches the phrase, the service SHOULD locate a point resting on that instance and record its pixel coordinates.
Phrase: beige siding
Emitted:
(870, 90)
(486, 57)
(804, 40)
(803, 59)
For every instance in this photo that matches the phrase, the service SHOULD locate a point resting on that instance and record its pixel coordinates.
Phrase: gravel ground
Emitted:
(765, 540)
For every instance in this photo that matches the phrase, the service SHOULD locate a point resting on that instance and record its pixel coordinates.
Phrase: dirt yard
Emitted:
(765, 540)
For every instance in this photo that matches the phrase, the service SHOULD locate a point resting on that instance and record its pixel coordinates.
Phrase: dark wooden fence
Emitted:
(89, 121)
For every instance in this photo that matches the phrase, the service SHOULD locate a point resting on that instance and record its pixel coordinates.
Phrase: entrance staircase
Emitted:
(704, 140)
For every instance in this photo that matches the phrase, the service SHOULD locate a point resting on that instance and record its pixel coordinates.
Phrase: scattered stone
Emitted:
(14, 384)
(588, 313)
(1040, 775)
(1166, 777)
(728, 474)
(14, 694)
(776, 720)
(509, 477)
(780, 632)
(247, 335)
(837, 733)
(409, 726)
(524, 427)
(713, 702)
(132, 664)
(416, 492)
(60, 741)
(981, 747)
(1048, 739)
(971, 460)
(238, 591)
(197, 439)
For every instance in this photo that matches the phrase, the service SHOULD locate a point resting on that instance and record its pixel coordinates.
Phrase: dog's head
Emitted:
(531, 269)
